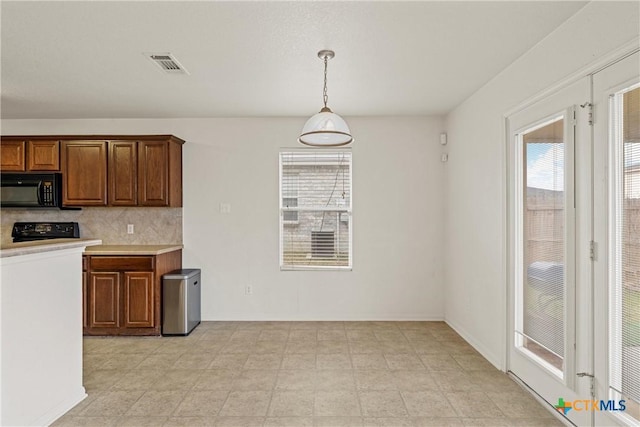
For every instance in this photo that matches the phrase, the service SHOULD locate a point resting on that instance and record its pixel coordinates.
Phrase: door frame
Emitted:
(586, 71)
(563, 102)
(603, 212)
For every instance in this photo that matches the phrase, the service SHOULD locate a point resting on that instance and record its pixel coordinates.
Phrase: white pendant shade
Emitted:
(325, 129)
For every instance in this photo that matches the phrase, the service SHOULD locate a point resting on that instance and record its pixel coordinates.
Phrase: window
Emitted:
(290, 198)
(542, 308)
(315, 210)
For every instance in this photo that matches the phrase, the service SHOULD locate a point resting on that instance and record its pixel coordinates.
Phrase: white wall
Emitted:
(476, 175)
(397, 216)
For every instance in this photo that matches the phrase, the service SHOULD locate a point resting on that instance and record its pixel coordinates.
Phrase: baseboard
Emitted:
(327, 319)
(490, 356)
(60, 409)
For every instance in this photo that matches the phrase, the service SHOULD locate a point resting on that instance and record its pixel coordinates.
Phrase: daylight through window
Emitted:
(315, 210)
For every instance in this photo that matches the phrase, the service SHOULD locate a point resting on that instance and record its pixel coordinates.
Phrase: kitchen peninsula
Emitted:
(41, 330)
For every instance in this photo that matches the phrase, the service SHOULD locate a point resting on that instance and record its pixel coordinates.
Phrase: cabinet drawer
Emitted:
(122, 263)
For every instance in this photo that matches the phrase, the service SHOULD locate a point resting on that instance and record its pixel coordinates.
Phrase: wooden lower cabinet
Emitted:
(85, 312)
(123, 293)
(138, 300)
(104, 300)
(85, 293)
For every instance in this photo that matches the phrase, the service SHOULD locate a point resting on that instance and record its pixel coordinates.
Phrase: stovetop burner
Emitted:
(28, 231)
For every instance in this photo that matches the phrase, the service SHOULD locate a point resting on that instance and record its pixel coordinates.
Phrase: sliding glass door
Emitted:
(545, 242)
(617, 233)
(574, 246)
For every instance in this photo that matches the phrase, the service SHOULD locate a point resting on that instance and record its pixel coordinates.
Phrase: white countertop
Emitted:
(131, 249)
(38, 246)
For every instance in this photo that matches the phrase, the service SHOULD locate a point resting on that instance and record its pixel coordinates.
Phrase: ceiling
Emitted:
(84, 59)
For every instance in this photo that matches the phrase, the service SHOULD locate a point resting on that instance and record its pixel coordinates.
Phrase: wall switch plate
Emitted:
(248, 290)
(129, 228)
(225, 208)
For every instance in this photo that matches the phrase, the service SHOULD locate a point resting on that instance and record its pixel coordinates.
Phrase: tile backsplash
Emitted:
(152, 226)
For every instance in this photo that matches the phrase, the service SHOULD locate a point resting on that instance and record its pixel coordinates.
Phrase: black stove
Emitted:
(29, 231)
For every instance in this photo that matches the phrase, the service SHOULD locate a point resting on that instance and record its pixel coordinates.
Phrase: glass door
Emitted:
(616, 94)
(545, 237)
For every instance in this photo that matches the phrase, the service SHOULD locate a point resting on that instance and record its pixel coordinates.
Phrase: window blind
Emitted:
(315, 209)
(543, 284)
(624, 307)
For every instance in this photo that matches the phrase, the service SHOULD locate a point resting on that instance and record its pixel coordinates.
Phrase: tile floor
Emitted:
(299, 374)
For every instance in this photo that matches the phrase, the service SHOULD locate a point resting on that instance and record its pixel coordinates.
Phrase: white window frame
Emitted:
(617, 194)
(345, 214)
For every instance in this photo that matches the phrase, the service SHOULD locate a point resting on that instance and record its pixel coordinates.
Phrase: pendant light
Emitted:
(325, 129)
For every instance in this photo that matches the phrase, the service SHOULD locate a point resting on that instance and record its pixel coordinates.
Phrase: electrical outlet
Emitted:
(129, 228)
(248, 290)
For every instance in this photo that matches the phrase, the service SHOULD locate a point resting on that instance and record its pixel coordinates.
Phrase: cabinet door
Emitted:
(104, 300)
(43, 155)
(153, 173)
(123, 168)
(138, 300)
(85, 297)
(84, 168)
(12, 155)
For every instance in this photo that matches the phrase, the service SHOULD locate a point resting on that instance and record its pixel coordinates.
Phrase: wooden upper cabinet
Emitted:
(12, 155)
(84, 173)
(160, 173)
(153, 175)
(123, 173)
(101, 170)
(43, 156)
(22, 155)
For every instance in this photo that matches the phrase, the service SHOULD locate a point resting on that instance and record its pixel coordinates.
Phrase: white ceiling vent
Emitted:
(167, 63)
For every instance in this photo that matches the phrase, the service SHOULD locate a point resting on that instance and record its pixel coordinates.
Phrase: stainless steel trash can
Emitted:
(180, 301)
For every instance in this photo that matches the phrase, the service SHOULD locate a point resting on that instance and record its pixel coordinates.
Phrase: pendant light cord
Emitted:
(325, 97)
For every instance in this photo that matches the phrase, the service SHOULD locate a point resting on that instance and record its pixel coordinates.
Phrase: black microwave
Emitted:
(31, 190)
